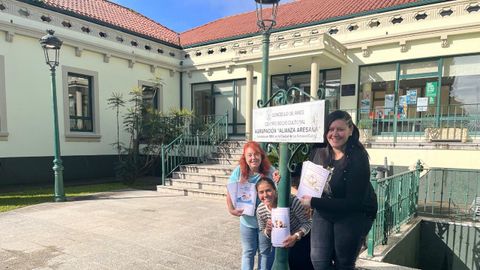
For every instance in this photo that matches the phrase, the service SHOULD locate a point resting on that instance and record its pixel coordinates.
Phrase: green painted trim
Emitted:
(41, 4)
(333, 19)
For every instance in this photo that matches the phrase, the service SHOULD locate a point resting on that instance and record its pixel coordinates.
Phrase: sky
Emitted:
(194, 12)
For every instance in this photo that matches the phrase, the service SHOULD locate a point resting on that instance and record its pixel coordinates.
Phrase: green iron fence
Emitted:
(435, 192)
(397, 198)
(450, 193)
(191, 147)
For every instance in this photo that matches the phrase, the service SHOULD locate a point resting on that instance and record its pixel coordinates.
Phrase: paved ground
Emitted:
(121, 230)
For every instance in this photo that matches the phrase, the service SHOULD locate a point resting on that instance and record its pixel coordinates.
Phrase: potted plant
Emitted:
(365, 127)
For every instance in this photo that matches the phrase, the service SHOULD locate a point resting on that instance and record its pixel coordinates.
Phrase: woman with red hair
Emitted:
(253, 165)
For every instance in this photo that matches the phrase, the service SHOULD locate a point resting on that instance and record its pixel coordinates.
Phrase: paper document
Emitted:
(312, 180)
(280, 225)
(243, 196)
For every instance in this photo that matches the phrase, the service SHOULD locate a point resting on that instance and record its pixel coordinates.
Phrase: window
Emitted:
(3, 102)
(329, 86)
(151, 94)
(81, 103)
(421, 99)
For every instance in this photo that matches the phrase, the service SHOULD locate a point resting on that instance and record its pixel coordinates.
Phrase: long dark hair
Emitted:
(266, 180)
(353, 142)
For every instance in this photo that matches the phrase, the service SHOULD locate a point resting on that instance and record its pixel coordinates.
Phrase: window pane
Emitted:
(460, 82)
(79, 102)
(331, 83)
(418, 67)
(377, 88)
(150, 97)
(202, 99)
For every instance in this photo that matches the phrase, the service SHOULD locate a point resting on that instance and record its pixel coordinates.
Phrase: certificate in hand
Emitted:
(243, 196)
(280, 225)
(312, 180)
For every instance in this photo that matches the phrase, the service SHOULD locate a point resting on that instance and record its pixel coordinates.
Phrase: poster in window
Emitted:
(365, 105)
(402, 106)
(379, 112)
(412, 97)
(389, 99)
(431, 91)
(422, 104)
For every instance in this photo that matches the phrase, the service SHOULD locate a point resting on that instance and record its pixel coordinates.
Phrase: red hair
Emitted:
(264, 167)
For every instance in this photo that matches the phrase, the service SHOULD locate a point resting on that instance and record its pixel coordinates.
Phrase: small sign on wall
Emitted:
(348, 90)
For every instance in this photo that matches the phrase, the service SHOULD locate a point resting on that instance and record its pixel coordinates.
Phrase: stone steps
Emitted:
(222, 161)
(200, 185)
(208, 168)
(219, 178)
(191, 192)
(207, 179)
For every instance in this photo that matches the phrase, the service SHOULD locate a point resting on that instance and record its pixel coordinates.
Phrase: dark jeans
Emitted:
(335, 244)
(299, 255)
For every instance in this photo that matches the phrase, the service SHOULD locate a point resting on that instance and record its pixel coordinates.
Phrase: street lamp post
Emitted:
(51, 47)
(266, 21)
(266, 15)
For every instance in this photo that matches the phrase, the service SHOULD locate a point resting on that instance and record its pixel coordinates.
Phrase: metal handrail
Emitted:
(397, 198)
(188, 148)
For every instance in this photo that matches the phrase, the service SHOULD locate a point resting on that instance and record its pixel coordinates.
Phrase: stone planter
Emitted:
(446, 134)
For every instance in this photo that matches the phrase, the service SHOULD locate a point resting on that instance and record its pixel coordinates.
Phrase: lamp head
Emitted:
(51, 47)
(266, 18)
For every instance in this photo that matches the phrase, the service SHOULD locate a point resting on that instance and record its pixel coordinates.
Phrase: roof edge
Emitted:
(41, 4)
(333, 19)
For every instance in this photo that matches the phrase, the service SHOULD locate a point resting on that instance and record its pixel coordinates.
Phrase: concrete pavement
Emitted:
(128, 229)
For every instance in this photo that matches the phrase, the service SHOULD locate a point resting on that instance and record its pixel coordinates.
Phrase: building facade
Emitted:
(408, 71)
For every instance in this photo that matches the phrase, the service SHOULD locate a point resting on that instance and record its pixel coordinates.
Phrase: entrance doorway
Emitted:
(221, 97)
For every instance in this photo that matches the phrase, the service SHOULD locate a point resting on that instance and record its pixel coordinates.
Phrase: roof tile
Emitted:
(289, 14)
(119, 16)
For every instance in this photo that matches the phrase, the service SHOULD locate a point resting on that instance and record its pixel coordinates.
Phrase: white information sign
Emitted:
(299, 122)
(422, 104)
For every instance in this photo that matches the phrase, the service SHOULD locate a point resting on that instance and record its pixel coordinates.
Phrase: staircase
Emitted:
(207, 179)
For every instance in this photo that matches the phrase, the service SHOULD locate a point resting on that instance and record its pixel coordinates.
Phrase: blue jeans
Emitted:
(252, 241)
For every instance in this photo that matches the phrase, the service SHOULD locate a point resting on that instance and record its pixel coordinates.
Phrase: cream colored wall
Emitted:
(29, 103)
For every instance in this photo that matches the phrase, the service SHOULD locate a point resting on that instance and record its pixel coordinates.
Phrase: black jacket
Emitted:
(350, 184)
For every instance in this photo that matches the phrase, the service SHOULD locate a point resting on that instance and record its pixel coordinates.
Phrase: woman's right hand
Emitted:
(236, 212)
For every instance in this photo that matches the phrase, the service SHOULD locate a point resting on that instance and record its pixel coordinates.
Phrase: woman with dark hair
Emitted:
(298, 241)
(253, 165)
(345, 212)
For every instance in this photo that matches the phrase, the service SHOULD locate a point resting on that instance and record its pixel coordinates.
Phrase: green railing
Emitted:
(450, 193)
(435, 192)
(190, 148)
(458, 122)
(397, 198)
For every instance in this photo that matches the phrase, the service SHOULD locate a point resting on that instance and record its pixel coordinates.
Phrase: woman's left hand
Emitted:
(276, 176)
(290, 241)
(306, 201)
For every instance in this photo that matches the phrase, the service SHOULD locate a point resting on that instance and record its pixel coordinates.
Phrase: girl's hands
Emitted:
(236, 212)
(290, 241)
(268, 228)
(276, 176)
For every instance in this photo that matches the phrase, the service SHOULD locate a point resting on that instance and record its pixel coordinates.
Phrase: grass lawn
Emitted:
(33, 195)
